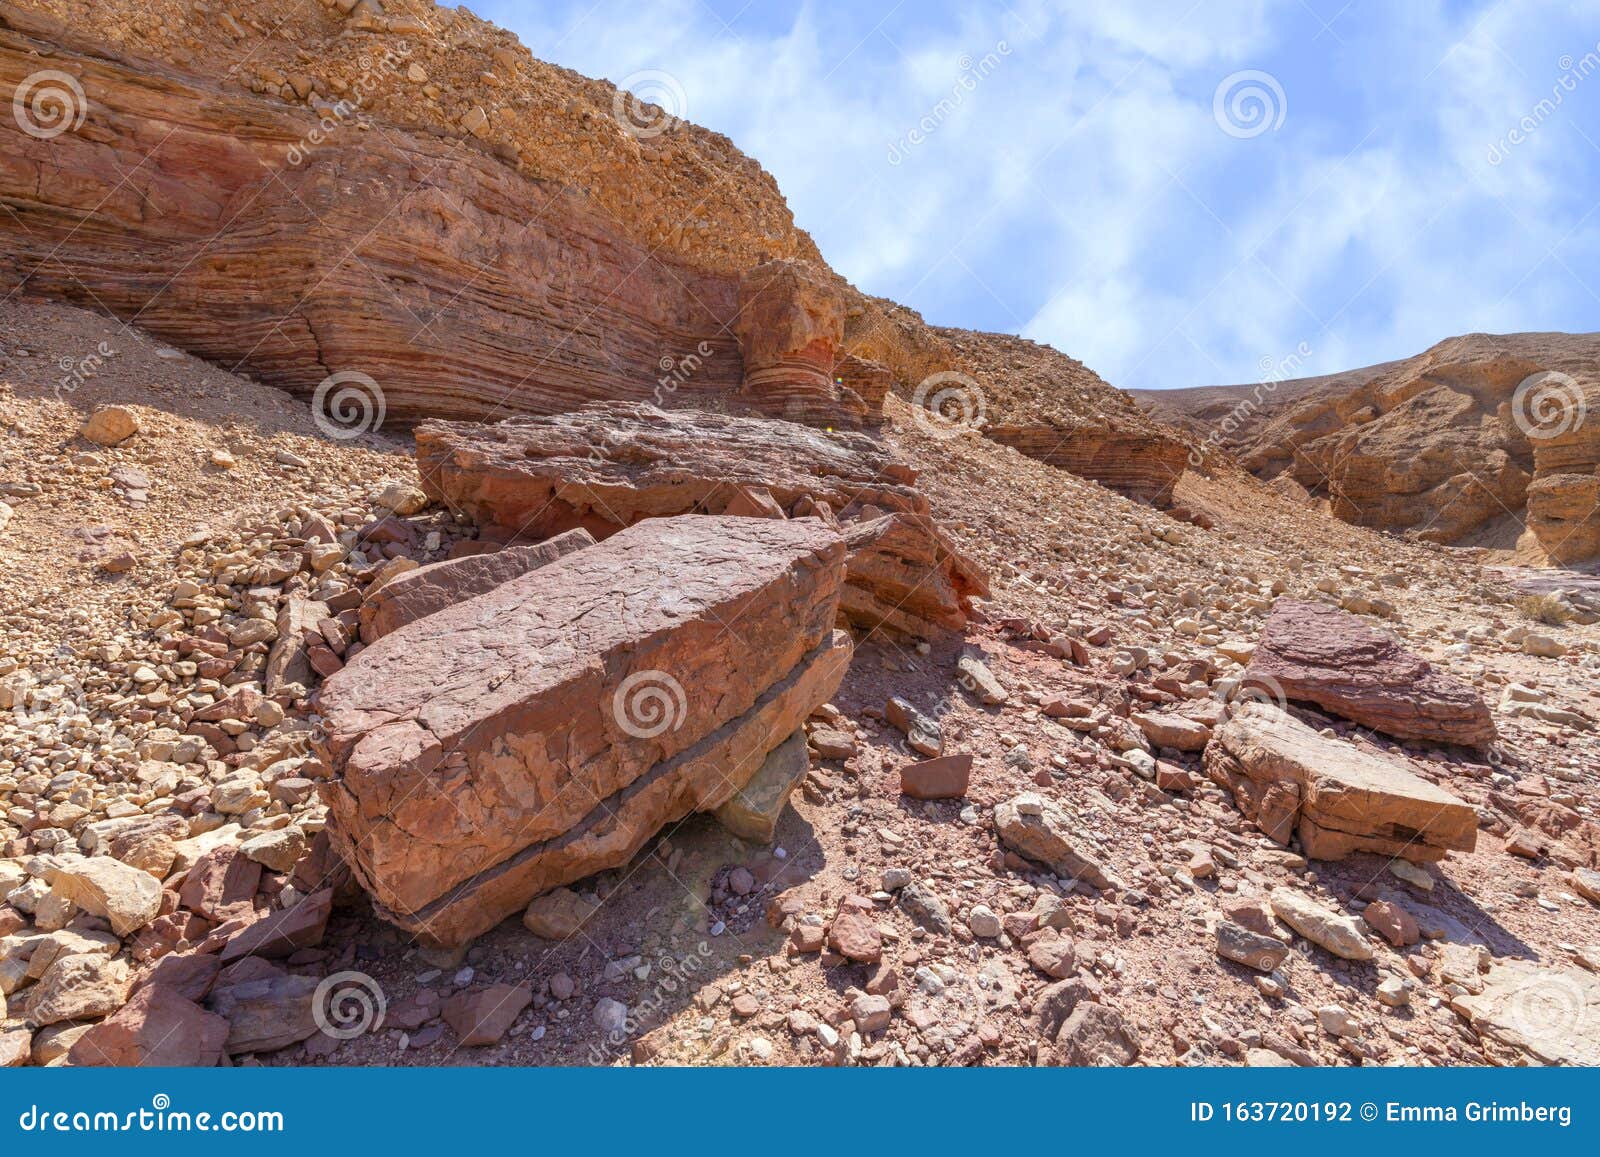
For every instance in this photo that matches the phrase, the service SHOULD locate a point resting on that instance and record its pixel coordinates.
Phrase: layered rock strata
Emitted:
(543, 731)
(1338, 799)
(1315, 653)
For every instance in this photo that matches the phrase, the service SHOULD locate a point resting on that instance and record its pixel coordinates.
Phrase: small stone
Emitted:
(610, 1016)
(870, 1013)
(983, 923)
(1252, 949)
(856, 936)
(110, 425)
(483, 1017)
(557, 915)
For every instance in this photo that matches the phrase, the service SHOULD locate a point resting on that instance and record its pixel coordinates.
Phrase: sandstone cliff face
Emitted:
(453, 282)
(407, 216)
(1477, 429)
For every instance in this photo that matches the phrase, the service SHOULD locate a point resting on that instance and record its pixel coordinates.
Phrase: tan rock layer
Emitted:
(1337, 798)
(1138, 463)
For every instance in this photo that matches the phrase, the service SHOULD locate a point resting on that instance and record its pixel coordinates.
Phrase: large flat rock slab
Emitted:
(613, 466)
(574, 710)
(1338, 798)
(1314, 653)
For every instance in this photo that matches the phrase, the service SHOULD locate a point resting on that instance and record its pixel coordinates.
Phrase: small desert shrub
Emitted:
(1550, 609)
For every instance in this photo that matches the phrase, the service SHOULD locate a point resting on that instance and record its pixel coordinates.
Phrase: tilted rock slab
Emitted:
(544, 731)
(613, 466)
(410, 596)
(1339, 799)
(1320, 654)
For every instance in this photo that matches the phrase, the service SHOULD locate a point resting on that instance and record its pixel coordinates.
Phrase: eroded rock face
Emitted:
(1320, 654)
(612, 466)
(559, 300)
(1337, 798)
(790, 325)
(543, 731)
(1134, 461)
(1564, 514)
(1446, 445)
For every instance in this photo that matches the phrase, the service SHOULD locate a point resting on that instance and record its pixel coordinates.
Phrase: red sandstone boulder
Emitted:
(1319, 654)
(545, 730)
(158, 1028)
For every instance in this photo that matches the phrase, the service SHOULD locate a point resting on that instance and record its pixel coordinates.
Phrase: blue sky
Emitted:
(1397, 181)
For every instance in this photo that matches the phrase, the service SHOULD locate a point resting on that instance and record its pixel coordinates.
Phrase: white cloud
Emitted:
(1081, 192)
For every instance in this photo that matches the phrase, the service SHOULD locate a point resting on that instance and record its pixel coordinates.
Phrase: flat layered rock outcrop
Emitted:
(613, 466)
(1337, 798)
(543, 731)
(1315, 653)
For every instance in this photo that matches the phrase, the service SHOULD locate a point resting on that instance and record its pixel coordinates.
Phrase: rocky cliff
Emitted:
(397, 210)
(1478, 432)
